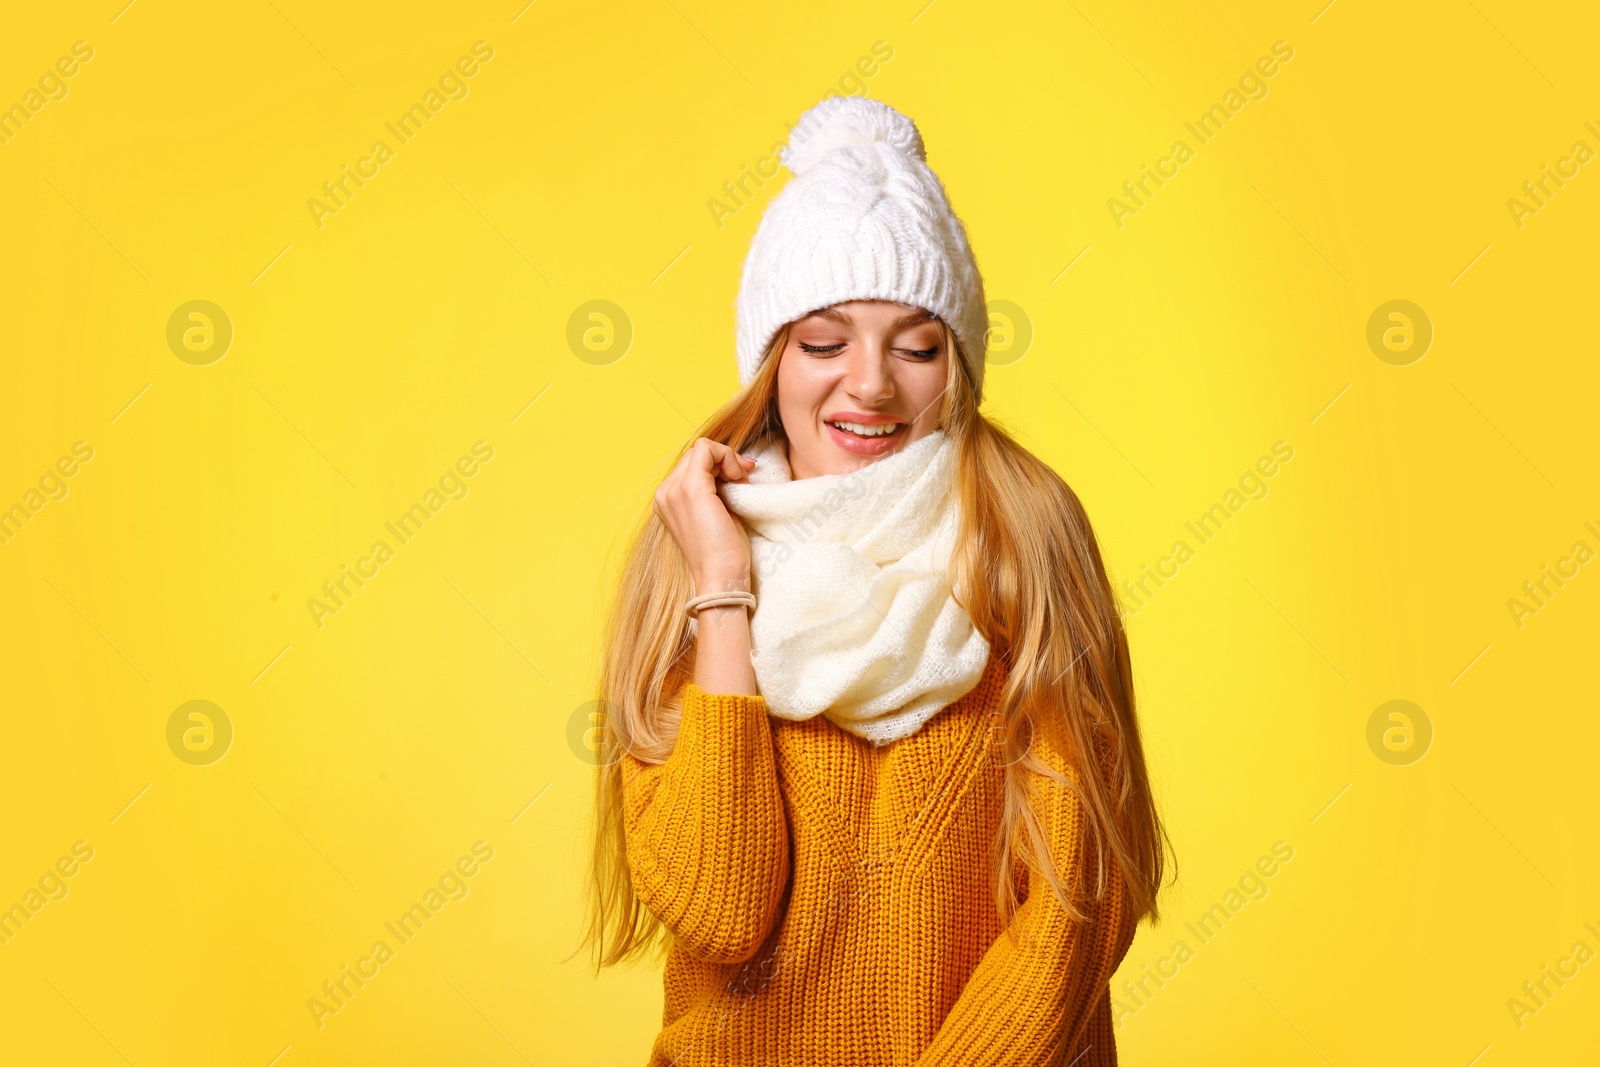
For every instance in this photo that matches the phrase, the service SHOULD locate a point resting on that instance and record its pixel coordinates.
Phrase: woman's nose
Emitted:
(868, 377)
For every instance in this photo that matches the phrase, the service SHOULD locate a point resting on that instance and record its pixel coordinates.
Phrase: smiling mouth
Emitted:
(868, 432)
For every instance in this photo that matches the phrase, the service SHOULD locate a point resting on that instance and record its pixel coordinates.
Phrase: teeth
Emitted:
(868, 431)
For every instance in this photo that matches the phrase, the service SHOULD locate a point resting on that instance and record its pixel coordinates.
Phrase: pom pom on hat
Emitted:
(855, 224)
(842, 121)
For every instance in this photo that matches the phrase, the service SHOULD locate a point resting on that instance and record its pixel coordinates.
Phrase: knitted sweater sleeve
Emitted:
(707, 842)
(1043, 998)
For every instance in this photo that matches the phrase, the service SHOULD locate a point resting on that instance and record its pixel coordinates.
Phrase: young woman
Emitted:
(873, 772)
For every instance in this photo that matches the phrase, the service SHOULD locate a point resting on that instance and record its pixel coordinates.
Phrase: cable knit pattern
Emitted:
(863, 218)
(883, 947)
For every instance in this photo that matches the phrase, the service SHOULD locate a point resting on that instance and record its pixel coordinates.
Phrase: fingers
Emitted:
(688, 504)
(705, 458)
(735, 466)
(721, 461)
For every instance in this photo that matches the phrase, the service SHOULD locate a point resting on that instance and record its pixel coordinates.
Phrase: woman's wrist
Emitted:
(723, 641)
(732, 590)
(722, 582)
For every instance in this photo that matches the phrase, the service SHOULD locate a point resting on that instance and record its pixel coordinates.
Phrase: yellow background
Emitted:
(431, 311)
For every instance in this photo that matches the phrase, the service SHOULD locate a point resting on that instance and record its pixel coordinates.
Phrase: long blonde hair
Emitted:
(1027, 568)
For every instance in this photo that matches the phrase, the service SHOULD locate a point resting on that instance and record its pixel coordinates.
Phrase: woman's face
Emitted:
(862, 365)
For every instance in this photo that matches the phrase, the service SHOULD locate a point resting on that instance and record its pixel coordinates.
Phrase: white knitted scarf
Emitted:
(855, 618)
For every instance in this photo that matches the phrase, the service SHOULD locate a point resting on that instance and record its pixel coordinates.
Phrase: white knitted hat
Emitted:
(863, 218)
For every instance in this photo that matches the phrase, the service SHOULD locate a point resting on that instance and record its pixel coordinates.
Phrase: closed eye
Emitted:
(920, 353)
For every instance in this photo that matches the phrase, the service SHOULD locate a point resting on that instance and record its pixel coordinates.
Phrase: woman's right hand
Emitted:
(713, 540)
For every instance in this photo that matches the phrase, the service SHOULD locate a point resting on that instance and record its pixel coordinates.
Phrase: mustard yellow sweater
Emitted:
(832, 903)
